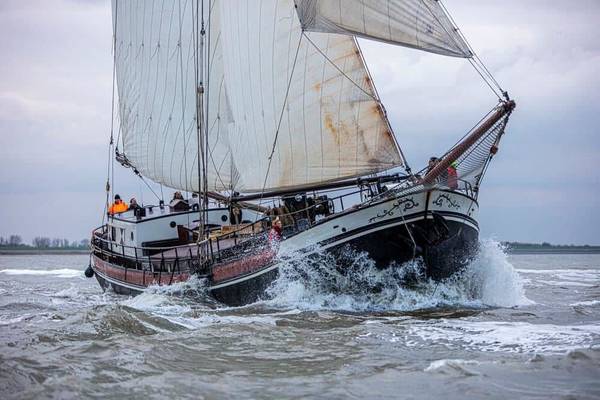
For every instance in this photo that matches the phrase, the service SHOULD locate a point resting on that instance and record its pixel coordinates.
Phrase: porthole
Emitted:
(224, 218)
(172, 224)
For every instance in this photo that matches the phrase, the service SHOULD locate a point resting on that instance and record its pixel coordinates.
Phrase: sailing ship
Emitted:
(267, 110)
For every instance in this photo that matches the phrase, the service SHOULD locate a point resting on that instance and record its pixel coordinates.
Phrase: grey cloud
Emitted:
(55, 94)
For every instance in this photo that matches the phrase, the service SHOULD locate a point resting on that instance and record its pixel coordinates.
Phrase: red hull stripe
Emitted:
(137, 277)
(243, 266)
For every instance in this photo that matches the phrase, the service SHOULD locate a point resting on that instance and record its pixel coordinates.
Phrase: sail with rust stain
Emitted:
(305, 98)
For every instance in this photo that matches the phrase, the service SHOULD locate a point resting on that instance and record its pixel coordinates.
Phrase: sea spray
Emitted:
(172, 299)
(492, 279)
(351, 282)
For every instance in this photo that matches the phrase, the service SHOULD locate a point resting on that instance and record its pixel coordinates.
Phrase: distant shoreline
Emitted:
(513, 251)
(27, 252)
(553, 251)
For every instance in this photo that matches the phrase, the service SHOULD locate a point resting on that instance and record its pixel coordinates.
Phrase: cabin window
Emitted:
(113, 233)
(122, 235)
(131, 236)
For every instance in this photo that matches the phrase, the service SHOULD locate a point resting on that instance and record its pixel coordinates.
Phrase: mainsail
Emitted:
(156, 50)
(288, 100)
(305, 100)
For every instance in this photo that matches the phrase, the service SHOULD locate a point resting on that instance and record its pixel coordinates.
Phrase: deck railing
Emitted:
(200, 256)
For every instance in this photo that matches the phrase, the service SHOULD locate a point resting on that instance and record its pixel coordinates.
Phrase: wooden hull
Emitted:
(438, 227)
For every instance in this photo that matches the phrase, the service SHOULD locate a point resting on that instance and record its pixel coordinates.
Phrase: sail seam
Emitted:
(338, 68)
(281, 115)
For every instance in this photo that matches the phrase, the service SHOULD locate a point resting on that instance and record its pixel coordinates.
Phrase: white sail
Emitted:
(156, 78)
(421, 24)
(308, 97)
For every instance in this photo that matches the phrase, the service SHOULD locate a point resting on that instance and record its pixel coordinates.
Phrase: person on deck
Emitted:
(433, 161)
(118, 206)
(177, 196)
(194, 202)
(133, 204)
(275, 234)
(452, 175)
(178, 203)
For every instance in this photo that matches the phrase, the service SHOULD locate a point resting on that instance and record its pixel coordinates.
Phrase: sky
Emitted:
(55, 105)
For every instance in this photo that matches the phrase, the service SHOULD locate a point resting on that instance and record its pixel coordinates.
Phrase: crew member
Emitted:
(118, 206)
(433, 161)
(178, 203)
(275, 234)
(194, 202)
(133, 204)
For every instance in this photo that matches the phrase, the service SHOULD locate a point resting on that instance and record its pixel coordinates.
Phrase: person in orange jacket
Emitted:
(118, 206)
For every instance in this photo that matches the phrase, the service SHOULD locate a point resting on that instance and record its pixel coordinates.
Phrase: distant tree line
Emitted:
(546, 245)
(42, 242)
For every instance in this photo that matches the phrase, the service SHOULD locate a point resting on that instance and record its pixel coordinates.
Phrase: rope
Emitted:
(475, 61)
(149, 187)
(182, 97)
(374, 88)
(110, 160)
(375, 98)
(287, 92)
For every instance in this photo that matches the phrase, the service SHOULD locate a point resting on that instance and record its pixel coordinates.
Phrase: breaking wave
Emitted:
(456, 367)
(315, 283)
(59, 273)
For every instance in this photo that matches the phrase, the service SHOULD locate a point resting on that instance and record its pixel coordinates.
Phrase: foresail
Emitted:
(304, 100)
(156, 78)
(420, 24)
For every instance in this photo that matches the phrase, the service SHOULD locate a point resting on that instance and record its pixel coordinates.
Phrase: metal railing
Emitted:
(199, 257)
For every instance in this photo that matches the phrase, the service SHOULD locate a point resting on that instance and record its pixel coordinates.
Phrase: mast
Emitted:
(201, 132)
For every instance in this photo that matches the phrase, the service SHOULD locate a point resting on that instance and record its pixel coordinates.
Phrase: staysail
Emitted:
(156, 49)
(304, 108)
(420, 24)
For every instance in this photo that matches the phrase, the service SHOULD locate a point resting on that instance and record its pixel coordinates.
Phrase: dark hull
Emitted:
(445, 249)
(444, 245)
(116, 287)
(247, 291)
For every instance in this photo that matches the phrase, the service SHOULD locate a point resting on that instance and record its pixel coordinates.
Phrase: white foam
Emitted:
(589, 303)
(211, 319)
(563, 283)
(10, 321)
(495, 336)
(455, 367)
(67, 293)
(59, 273)
(585, 277)
(163, 298)
(489, 280)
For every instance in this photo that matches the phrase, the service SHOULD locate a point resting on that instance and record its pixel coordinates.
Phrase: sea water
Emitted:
(522, 326)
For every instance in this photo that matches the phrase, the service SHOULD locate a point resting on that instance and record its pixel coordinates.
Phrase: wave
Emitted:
(456, 367)
(587, 303)
(495, 336)
(563, 277)
(315, 283)
(59, 273)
